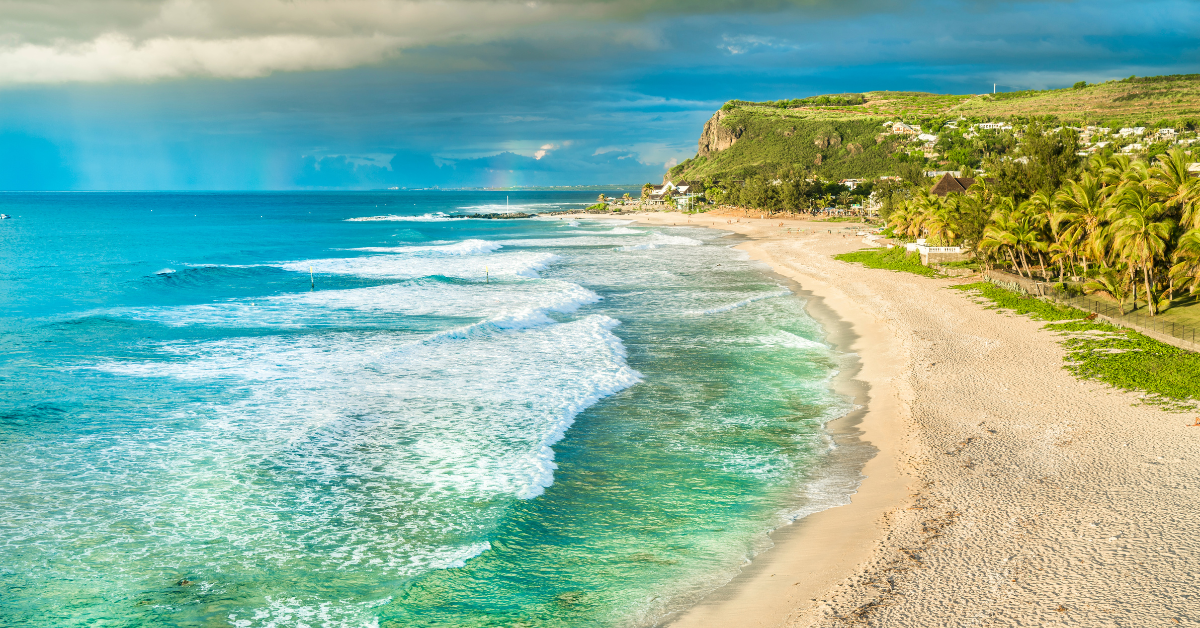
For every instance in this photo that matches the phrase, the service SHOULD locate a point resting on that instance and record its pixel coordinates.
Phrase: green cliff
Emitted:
(842, 136)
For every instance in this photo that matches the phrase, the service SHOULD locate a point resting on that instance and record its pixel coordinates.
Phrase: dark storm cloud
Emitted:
(616, 94)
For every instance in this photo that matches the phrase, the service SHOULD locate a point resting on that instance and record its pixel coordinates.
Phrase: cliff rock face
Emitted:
(716, 136)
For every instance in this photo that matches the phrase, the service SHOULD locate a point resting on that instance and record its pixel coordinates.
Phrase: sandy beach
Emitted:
(1005, 492)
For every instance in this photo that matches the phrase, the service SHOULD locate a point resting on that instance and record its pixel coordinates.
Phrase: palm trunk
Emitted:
(1016, 266)
(1149, 297)
(1025, 263)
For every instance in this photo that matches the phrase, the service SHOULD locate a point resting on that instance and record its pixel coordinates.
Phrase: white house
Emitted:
(684, 193)
(927, 137)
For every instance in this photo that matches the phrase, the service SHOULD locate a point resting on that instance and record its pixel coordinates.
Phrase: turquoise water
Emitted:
(350, 409)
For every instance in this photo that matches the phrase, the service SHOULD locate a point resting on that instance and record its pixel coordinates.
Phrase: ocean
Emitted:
(360, 409)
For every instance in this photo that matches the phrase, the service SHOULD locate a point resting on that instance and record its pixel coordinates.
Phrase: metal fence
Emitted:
(1138, 320)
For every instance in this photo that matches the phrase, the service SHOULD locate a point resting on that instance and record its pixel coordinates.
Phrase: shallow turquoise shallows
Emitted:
(357, 409)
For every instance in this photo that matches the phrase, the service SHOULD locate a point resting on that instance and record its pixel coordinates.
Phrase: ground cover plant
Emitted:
(1121, 358)
(896, 258)
(1039, 309)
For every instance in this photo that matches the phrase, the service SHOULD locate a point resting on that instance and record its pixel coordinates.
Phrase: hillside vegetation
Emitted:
(842, 135)
(837, 146)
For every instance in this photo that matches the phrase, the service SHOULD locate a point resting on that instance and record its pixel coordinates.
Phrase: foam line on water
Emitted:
(493, 208)
(599, 327)
(789, 340)
(321, 396)
(465, 247)
(398, 266)
(742, 303)
(371, 306)
(659, 240)
(433, 217)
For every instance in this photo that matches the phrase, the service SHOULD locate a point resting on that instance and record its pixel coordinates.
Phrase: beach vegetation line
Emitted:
(1119, 357)
(896, 258)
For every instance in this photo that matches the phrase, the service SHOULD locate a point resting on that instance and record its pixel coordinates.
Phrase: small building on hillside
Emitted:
(950, 183)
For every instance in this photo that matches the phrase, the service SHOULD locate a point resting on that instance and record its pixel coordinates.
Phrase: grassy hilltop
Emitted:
(842, 136)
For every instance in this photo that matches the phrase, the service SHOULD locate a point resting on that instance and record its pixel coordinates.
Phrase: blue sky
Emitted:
(352, 94)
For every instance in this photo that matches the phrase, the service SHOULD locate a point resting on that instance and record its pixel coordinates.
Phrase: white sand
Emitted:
(1006, 492)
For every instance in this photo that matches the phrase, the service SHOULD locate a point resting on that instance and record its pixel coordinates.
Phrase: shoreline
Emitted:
(811, 554)
(1004, 492)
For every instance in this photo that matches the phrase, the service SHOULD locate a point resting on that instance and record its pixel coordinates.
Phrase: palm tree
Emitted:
(1123, 169)
(1082, 209)
(943, 221)
(1061, 253)
(1141, 237)
(1113, 283)
(900, 218)
(921, 210)
(1172, 181)
(1187, 261)
(1027, 237)
(1114, 169)
(1011, 232)
(1041, 209)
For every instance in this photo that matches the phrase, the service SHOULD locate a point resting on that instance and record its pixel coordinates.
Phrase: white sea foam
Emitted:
(479, 417)
(500, 208)
(400, 266)
(742, 303)
(465, 247)
(372, 306)
(659, 240)
(395, 218)
(789, 340)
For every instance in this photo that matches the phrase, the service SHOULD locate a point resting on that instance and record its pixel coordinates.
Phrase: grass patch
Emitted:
(1121, 358)
(968, 264)
(889, 259)
(843, 219)
(1039, 309)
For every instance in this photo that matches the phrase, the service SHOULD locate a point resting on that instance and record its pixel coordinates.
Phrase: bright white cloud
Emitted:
(117, 57)
(133, 40)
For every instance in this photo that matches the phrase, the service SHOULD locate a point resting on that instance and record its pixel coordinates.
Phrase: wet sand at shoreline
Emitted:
(1005, 492)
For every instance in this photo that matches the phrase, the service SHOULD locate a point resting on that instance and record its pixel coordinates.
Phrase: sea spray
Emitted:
(406, 445)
